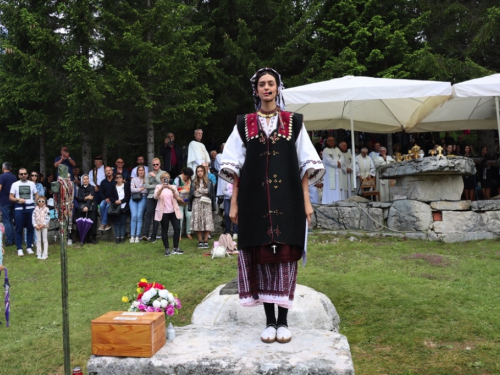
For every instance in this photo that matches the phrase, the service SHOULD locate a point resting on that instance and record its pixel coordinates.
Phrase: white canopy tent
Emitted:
(379, 105)
(474, 106)
(376, 105)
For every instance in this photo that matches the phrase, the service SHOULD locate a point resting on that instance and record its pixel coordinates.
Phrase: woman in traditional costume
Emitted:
(271, 162)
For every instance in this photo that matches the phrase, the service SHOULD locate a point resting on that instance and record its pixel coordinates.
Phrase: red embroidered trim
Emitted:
(251, 126)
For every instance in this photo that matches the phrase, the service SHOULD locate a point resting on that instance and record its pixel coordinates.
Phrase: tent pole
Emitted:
(353, 149)
(498, 113)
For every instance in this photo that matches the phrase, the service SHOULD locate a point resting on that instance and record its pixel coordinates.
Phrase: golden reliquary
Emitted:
(415, 152)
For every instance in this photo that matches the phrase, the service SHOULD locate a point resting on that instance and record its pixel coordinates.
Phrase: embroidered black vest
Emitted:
(270, 198)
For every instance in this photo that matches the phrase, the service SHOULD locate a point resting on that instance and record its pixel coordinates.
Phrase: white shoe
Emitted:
(44, 256)
(137, 240)
(132, 240)
(29, 251)
(20, 253)
(268, 335)
(283, 335)
(235, 236)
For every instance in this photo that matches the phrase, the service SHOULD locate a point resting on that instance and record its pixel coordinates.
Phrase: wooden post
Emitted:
(63, 223)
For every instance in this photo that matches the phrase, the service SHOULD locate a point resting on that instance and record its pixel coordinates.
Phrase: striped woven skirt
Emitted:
(265, 282)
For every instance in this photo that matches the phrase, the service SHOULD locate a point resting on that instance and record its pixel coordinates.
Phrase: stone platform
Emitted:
(311, 310)
(236, 350)
(224, 338)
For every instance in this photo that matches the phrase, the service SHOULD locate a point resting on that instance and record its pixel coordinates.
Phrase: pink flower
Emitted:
(141, 307)
(170, 310)
(159, 309)
(178, 303)
(150, 309)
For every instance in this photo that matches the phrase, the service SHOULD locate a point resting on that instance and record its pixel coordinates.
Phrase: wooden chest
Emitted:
(128, 334)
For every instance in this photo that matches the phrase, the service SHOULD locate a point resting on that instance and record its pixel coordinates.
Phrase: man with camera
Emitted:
(65, 159)
(173, 159)
(152, 179)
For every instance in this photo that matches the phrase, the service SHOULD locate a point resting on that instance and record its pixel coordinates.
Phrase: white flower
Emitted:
(146, 297)
(156, 304)
(170, 298)
(163, 293)
(135, 304)
(153, 291)
(164, 303)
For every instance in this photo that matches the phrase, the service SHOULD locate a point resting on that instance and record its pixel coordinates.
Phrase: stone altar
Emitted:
(224, 338)
(435, 178)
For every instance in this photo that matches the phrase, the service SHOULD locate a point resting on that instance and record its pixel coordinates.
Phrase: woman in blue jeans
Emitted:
(137, 207)
(227, 191)
(120, 194)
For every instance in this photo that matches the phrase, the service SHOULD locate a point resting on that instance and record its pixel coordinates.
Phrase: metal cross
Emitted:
(274, 248)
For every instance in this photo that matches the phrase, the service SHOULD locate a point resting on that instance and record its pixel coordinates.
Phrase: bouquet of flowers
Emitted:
(153, 297)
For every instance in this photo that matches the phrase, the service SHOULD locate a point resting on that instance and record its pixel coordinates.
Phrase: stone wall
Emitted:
(448, 221)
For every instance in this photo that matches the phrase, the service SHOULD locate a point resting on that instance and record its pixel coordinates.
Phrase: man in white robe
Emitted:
(332, 158)
(364, 165)
(383, 185)
(346, 183)
(376, 152)
(197, 152)
(365, 168)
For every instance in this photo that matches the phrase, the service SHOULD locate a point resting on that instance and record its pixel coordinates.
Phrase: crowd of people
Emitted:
(370, 156)
(169, 193)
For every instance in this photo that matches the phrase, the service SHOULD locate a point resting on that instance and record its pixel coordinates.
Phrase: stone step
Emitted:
(236, 350)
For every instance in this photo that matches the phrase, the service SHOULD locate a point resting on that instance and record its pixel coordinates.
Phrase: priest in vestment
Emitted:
(364, 166)
(197, 152)
(346, 175)
(383, 185)
(332, 158)
(376, 152)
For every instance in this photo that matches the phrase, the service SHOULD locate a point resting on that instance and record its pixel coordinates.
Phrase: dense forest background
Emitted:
(112, 77)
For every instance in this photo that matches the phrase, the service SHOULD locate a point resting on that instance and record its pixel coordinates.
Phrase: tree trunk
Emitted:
(86, 152)
(105, 151)
(151, 137)
(43, 166)
(149, 113)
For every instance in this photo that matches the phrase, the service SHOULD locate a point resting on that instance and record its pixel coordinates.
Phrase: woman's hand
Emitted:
(233, 212)
(309, 211)
(118, 202)
(85, 209)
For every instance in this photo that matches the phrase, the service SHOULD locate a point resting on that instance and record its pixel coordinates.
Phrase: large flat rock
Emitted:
(226, 350)
(464, 222)
(487, 205)
(311, 309)
(428, 188)
(451, 206)
(434, 165)
(409, 216)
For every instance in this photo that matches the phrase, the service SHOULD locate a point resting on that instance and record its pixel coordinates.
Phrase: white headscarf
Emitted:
(280, 101)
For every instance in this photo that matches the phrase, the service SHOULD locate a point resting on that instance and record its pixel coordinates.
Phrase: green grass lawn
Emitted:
(406, 307)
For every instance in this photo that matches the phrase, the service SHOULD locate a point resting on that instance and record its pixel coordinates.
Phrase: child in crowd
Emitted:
(41, 219)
